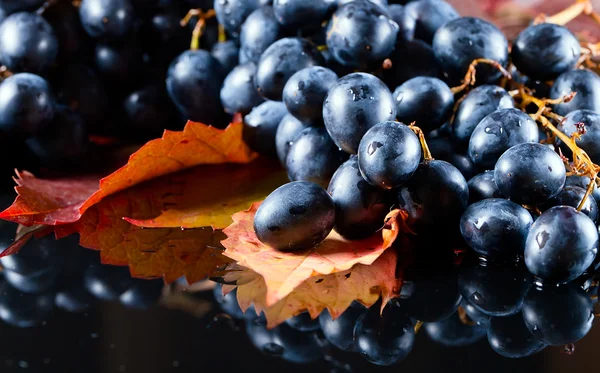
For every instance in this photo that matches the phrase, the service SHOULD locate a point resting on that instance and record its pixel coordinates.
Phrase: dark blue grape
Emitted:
(409, 60)
(483, 186)
(227, 54)
(384, 339)
(389, 154)
(429, 16)
(27, 43)
(444, 149)
(436, 192)
(260, 126)
(193, 82)
(228, 303)
(259, 31)
(361, 32)
(509, 337)
(26, 104)
(424, 100)
(572, 196)
(478, 104)
(476, 315)
(232, 13)
(499, 131)
(163, 38)
(11, 6)
(280, 61)
(406, 23)
(496, 226)
(360, 208)
(106, 18)
(561, 244)
(289, 128)
(545, 51)
(591, 135)
(238, 94)
(107, 283)
(302, 13)
(530, 173)
(74, 298)
(353, 105)
(340, 332)
(149, 110)
(493, 288)
(296, 216)
(24, 310)
(142, 294)
(34, 258)
(587, 85)
(313, 157)
(73, 42)
(452, 332)
(118, 61)
(583, 182)
(460, 41)
(305, 92)
(558, 315)
(33, 284)
(303, 322)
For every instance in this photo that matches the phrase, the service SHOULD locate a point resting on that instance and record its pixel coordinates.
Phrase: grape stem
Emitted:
(418, 326)
(419, 132)
(470, 77)
(200, 26)
(464, 318)
(567, 15)
(4, 72)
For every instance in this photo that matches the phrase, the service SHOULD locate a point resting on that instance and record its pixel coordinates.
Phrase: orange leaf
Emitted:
(283, 272)
(54, 202)
(334, 292)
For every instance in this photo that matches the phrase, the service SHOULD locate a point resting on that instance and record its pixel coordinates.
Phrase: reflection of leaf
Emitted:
(334, 292)
(283, 272)
(53, 202)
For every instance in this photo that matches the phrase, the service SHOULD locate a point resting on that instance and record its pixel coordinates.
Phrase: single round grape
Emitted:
(389, 154)
(34, 258)
(353, 105)
(302, 13)
(436, 192)
(313, 157)
(296, 216)
(26, 104)
(142, 294)
(361, 32)
(572, 196)
(558, 315)
(587, 85)
(27, 43)
(287, 131)
(305, 92)
(422, 62)
(106, 18)
(74, 298)
(530, 173)
(496, 226)
(238, 94)
(232, 13)
(149, 109)
(33, 284)
(429, 16)
(478, 104)
(457, 43)
(572, 123)
(260, 126)
(339, 332)
(561, 244)
(193, 83)
(509, 337)
(483, 186)
(424, 100)
(24, 310)
(118, 61)
(107, 283)
(259, 31)
(303, 322)
(452, 332)
(545, 51)
(227, 54)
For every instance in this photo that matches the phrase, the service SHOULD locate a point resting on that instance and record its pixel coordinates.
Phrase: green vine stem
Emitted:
(200, 26)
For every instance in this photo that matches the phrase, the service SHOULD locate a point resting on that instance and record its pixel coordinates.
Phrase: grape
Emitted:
(353, 105)
(27, 43)
(163, 38)
(63, 18)
(227, 54)
(409, 60)
(305, 92)
(545, 51)
(259, 31)
(26, 104)
(493, 288)
(452, 332)
(360, 208)
(149, 110)
(289, 128)
(361, 32)
(23, 310)
(558, 315)
(238, 94)
(561, 244)
(583, 182)
(74, 298)
(483, 186)
(429, 16)
(34, 258)
(499, 131)
(530, 173)
(118, 61)
(228, 303)
(587, 85)
(193, 83)
(444, 149)
(388, 155)
(107, 283)
(424, 100)
(232, 13)
(303, 322)
(478, 104)
(476, 315)
(384, 339)
(106, 18)
(509, 337)
(339, 332)
(589, 140)
(302, 13)
(460, 41)
(496, 226)
(296, 216)
(406, 23)
(313, 157)
(142, 294)
(12, 6)
(33, 284)
(572, 196)
(260, 126)
(436, 192)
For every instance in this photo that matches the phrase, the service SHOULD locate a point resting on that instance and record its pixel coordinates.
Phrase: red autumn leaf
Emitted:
(283, 272)
(53, 202)
(334, 292)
